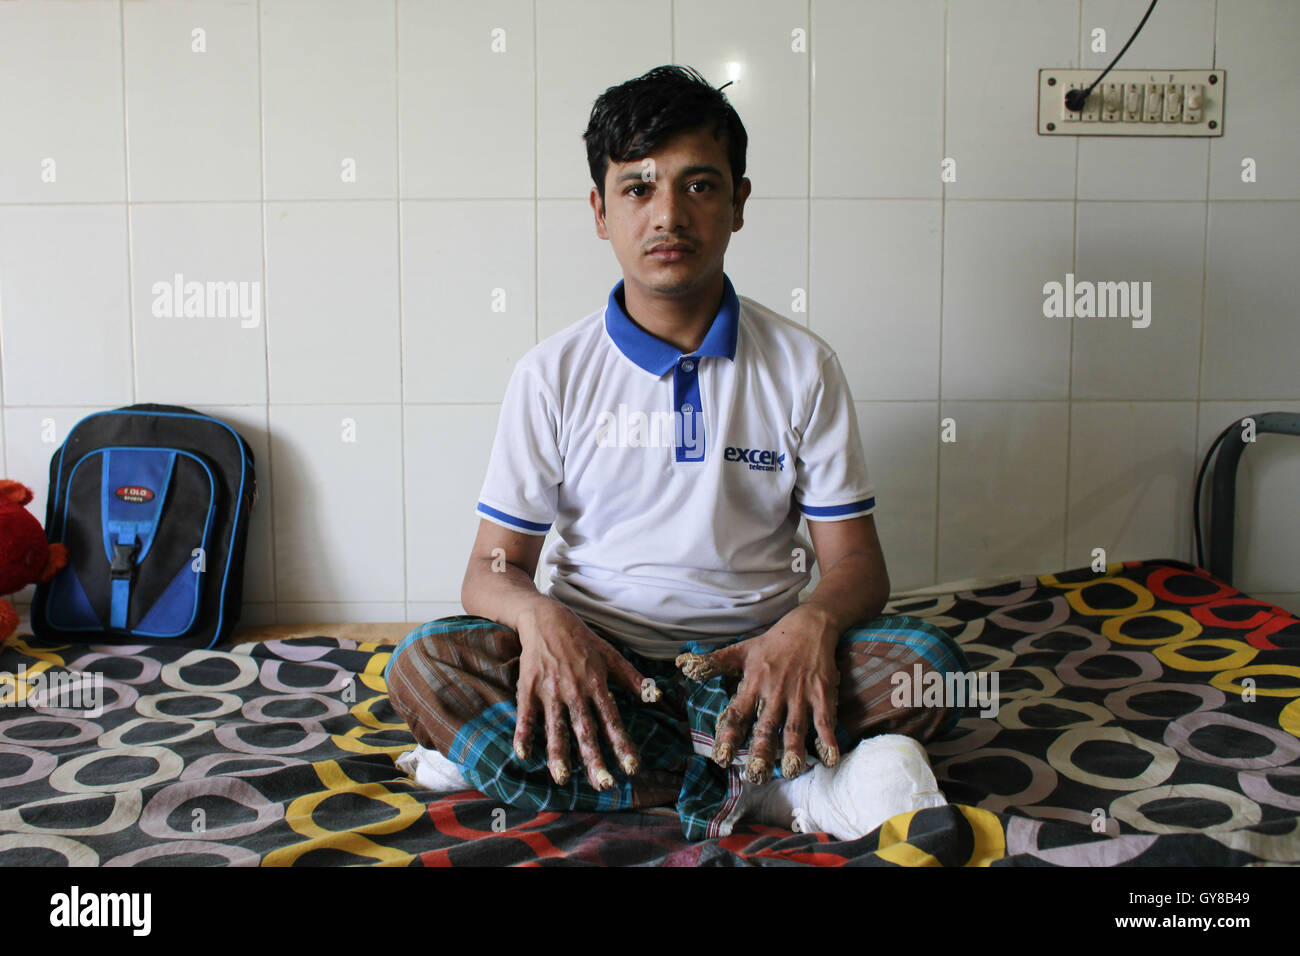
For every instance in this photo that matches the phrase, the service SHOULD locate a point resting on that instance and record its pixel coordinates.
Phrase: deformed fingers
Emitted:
(796, 729)
(696, 666)
(584, 729)
(624, 749)
(525, 719)
(557, 742)
(824, 722)
(762, 747)
(731, 728)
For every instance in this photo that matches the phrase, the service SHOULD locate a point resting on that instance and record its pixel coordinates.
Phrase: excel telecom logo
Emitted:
(758, 459)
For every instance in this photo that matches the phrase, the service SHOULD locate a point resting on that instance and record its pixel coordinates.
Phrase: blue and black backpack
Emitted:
(152, 503)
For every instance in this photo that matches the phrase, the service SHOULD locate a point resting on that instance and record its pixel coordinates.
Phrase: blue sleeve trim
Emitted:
(837, 511)
(520, 523)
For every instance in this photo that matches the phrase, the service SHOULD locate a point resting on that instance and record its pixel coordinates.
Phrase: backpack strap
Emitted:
(122, 569)
(135, 483)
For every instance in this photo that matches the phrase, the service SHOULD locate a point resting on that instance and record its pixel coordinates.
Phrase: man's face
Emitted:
(680, 193)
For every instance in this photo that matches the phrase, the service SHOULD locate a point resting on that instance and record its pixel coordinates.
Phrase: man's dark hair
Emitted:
(630, 121)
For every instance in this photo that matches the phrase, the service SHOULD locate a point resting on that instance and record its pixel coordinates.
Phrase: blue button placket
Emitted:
(657, 357)
(688, 410)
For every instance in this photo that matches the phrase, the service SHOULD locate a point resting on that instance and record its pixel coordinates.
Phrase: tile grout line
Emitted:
(401, 302)
(807, 235)
(126, 208)
(808, 158)
(943, 244)
(266, 319)
(318, 200)
(1109, 400)
(1069, 353)
(1205, 268)
(537, 184)
(537, 223)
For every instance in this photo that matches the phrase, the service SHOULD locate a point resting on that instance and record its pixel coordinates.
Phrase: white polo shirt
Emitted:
(675, 482)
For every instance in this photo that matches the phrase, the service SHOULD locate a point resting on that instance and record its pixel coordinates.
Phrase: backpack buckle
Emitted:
(123, 561)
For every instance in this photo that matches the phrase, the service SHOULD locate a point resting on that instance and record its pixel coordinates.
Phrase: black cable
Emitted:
(1075, 99)
(1196, 497)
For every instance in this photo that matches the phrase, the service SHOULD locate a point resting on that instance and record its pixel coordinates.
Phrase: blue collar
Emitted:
(657, 356)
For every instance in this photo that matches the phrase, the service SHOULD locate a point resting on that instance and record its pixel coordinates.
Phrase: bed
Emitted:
(1148, 715)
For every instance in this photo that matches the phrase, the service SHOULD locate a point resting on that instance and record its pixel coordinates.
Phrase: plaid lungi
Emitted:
(453, 681)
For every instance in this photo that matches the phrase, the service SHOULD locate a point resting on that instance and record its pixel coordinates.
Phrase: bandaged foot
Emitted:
(432, 770)
(880, 778)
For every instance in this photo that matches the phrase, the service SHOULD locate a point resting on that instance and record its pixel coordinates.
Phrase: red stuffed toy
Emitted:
(25, 556)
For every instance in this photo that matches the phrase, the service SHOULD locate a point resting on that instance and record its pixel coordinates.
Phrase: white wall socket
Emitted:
(1133, 103)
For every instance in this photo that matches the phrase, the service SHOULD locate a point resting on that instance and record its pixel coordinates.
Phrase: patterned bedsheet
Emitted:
(1148, 715)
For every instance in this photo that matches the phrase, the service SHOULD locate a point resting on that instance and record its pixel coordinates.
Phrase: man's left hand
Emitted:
(787, 673)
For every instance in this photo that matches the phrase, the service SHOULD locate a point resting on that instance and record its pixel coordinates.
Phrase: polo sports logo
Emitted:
(758, 459)
(134, 494)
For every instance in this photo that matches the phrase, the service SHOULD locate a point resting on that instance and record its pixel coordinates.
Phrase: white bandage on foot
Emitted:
(432, 770)
(774, 802)
(880, 778)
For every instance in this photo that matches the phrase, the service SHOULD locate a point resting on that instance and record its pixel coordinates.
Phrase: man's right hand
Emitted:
(564, 671)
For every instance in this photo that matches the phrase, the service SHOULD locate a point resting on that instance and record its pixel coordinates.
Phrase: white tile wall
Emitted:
(878, 62)
(771, 83)
(1177, 34)
(62, 113)
(996, 343)
(64, 282)
(329, 99)
(192, 103)
(447, 450)
(337, 499)
(995, 49)
(466, 111)
(767, 257)
(1255, 41)
(583, 48)
(469, 302)
(1002, 491)
(1252, 336)
(876, 269)
(1161, 243)
(576, 269)
(1129, 493)
(219, 354)
(333, 323)
(406, 183)
(899, 439)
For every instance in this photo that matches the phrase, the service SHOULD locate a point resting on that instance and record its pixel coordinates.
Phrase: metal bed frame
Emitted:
(1223, 487)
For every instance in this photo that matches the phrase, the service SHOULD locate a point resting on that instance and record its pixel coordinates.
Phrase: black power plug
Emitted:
(1075, 99)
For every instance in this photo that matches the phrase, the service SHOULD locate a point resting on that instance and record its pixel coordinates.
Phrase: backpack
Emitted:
(152, 503)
